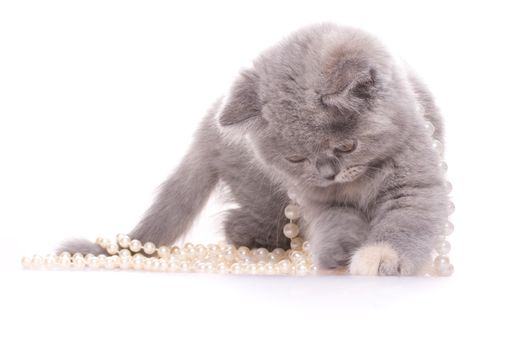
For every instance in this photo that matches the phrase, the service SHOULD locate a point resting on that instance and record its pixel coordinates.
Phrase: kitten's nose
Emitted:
(327, 167)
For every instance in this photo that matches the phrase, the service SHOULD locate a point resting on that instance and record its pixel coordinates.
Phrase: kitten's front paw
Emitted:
(377, 259)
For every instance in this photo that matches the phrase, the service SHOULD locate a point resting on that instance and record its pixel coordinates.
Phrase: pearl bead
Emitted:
(261, 267)
(65, 255)
(236, 268)
(148, 264)
(449, 270)
(301, 269)
(201, 251)
(429, 128)
(92, 262)
(185, 266)
(112, 248)
(270, 269)
(443, 248)
(296, 256)
(272, 257)
(306, 246)
(210, 267)
(123, 240)
(50, 261)
(125, 262)
(243, 251)
(26, 262)
(184, 256)
(252, 269)
(164, 252)
(278, 252)
(124, 253)
(246, 259)
(438, 147)
(135, 246)
(164, 265)
(102, 260)
(442, 266)
(451, 208)
(292, 211)
(37, 261)
(189, 249)
(296, 243)
(175, 250)
(200, 267)
(222, 268)
(103, 242)
(155, 264)
(111, 262)
(79, 262)
(291, 230)
(149, 248)
(284, 266)
(261, 254)
(137, 262)
(449, 228)
(64, 260)
(226, 247)
(441, 260)
(213, 249)
(448, 186)
(173, 266)
(230, 255)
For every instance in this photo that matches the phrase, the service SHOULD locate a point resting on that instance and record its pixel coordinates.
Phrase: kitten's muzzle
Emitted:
(327, 167)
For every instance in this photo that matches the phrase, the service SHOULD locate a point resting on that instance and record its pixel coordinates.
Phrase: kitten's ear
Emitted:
(362, 87)
(242, 104)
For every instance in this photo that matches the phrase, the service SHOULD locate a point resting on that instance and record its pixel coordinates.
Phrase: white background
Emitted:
(98, 102)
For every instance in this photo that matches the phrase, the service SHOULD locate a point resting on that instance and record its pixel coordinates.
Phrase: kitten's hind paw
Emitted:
(377, 259)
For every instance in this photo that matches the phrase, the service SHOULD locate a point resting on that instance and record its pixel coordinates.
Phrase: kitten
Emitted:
(329, 115)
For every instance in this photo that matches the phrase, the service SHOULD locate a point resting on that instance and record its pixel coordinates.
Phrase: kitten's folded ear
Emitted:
(242, 104)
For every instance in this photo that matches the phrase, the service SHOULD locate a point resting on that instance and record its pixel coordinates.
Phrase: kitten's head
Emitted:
(321, 107)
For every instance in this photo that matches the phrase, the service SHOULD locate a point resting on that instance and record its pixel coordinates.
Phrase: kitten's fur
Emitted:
(376, 209)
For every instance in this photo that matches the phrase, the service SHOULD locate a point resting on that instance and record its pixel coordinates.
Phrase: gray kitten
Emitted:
(329, 115)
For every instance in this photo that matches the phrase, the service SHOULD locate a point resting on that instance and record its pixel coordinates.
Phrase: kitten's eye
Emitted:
(363, 90)
(295, 159)
(346, 148)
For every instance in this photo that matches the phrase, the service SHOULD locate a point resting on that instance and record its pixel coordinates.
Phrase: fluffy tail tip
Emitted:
(82, 246)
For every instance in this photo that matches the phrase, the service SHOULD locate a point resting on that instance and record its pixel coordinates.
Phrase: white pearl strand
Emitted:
(125, 253)
(441, 265)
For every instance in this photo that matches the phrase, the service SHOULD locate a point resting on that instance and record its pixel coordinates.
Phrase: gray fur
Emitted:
(318, 90)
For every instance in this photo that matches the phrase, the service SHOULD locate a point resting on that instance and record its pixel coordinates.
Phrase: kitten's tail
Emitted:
(180, 199)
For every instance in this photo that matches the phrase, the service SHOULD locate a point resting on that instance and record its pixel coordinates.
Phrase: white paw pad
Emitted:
(375, 259)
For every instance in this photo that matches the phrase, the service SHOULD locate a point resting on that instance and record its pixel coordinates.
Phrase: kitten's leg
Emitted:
(180, 199)
(335, 234)
(257, 226)
(402, 234)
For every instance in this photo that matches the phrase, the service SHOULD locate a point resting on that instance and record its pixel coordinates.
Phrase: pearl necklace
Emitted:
(125, 253)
